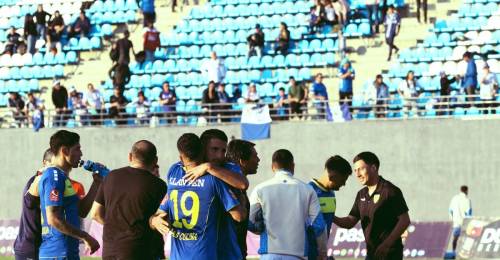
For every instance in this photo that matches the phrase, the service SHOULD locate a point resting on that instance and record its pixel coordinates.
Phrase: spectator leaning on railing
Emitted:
(142, 108)
(167, 101)
(408, 89)
(252, 96)
(488, 90)
(320, 96)
(297, 98)
(34, 111)
(94, 101)
(117, 107)
(209, 99)
(16, 105)
(60, 102)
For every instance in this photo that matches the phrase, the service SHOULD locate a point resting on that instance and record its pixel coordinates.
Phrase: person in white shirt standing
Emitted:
(272, 213)
(460, 208)
(95, 103)
(488, 90)
(214, 69)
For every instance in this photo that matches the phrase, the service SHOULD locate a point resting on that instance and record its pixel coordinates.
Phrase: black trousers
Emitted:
(390, 43)
(422, 4)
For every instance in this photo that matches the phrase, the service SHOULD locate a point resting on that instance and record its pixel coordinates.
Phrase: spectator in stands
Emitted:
(252, 96)
(167, 101)
(77, 105)
(297, 98)
(30, 33)
(320, 96)
(373, 15)
(445, 92)
(469, 79)
(80, 27)
(41, 21)
(214, 69)
(16, 105)
(409, 90)
(225, 102)
(94, 101)
(236, 93)
(142, 108)
(34, 111)
(341, 8)
(117, 107)
(256, 42)
(173, 5)
(151, 41)
(13, 41)
(55, 31)
(281, 105)
(120, 75)
(283, 40)
(148, 11)
(488, 90)
(346, 75)
(376, 95)
(422, 4)
(124, 45)
(318, 17)
(60, 101)
(209, 101)
(330, 17)
(392, 26)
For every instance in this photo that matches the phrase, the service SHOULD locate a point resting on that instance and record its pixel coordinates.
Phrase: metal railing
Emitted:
(196, 113)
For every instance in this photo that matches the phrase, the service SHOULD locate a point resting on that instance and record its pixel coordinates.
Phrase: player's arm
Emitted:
(397, 232)
(317, 224)
(238, 213)
(230, 201)
(158, 222)
(97, 212)
(345, 222)
(85, 204)
(256, 217)
(233, 179)
(54, 219)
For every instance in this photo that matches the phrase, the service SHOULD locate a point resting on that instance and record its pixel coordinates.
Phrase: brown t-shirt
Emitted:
(130, 197)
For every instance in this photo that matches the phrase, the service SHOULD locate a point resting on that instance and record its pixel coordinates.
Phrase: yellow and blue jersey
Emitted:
(328, 204)
(56, 190)
(195, 210)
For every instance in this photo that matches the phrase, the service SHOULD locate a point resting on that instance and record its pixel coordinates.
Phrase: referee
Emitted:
(381, 208)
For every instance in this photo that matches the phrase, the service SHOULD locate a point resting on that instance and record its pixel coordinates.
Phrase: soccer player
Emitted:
(29, 237)
(243, 154)
(337, 171)
(382, 209)
(460, 208)
(288, 207)
(59, 202)
(194, 208)
(127, 199)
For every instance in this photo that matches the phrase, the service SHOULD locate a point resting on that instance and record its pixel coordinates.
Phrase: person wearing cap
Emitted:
(469, 79)
(60, 101)
(256, 42)
(488, 90)
(124, 45)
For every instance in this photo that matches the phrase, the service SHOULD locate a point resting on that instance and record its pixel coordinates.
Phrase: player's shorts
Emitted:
(457, 231)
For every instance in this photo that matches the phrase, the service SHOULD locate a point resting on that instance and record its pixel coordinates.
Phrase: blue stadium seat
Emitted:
(38, 59)
(304, 74)
(279, 61)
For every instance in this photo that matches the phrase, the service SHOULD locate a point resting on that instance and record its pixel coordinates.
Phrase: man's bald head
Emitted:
(144, 152)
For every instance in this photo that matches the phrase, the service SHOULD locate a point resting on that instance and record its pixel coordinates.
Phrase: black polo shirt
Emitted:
(379, 214)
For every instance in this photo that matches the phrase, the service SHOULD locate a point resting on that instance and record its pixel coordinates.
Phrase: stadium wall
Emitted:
(427, 159)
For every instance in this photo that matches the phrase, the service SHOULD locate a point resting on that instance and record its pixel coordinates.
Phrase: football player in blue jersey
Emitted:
(194, 208)
(59, 202)
(337, 171)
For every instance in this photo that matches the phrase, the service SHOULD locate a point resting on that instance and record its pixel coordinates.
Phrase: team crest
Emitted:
(376, 197)
(54, 195)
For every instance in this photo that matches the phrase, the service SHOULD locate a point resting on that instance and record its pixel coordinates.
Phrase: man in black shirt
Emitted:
(124, 45)
(128, 197)
(445, 92)
(60, 101)
(117, 108)
(380, 207)
(256, 42)
(80, 26)
(41, 21)
(13, 41)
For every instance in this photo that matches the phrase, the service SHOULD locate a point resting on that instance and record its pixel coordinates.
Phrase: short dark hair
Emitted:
(291, 77)
(189, 145)
(63, 138)
(464, 188)
(282, 89)
(47, 155)
(339, 165)
(368, 157)
(283, 159)
(379, 76)
(144, 151)
(212, 134)
(467, 54)
(239, 150)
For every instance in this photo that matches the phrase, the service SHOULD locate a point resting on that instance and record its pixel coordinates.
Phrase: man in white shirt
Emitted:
(488, 90)
(460, 208)
(94, 101)
(272, 213)
(214, 69)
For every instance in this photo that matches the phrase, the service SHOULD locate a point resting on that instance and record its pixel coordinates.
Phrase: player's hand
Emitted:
(382, 251)
(91, 243)
(159, 223)
(196, 172)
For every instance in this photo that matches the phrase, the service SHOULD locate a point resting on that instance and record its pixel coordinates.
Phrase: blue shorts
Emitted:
(457, 231)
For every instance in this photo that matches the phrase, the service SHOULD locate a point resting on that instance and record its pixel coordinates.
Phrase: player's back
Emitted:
(195, 210)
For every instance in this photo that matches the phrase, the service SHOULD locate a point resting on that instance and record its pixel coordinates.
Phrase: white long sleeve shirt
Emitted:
(214, 70)
(460, 208)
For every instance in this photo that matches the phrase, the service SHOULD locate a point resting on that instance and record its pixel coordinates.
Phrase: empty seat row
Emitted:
(478, 9)
(453, 39)
(19, 85)
(38, 58)
(37, 72)
(444, 53)
(467, 24)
